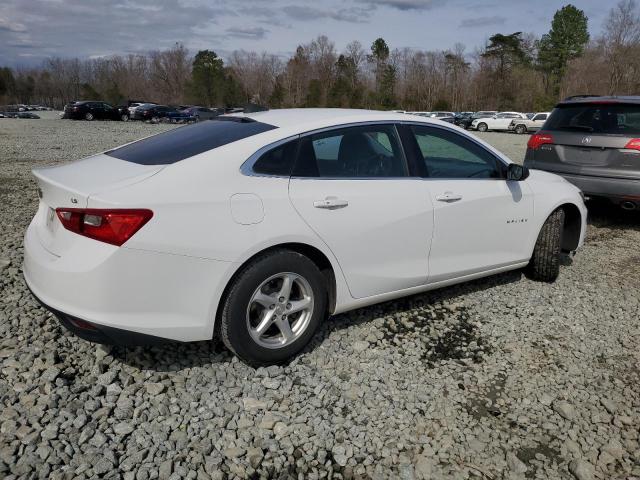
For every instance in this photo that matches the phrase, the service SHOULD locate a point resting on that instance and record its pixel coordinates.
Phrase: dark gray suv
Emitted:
(593, 142)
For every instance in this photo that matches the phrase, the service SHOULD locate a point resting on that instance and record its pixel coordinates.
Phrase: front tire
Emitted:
(273, 307)
(482, 127)
(520, 129)
(545, 261)
(88, 116)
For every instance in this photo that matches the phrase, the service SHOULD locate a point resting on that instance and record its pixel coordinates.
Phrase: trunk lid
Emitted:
(71, 185)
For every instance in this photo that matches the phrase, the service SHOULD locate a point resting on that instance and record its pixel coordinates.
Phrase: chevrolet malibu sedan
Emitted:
(256, 227)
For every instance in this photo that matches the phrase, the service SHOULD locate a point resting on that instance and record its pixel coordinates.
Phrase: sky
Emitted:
(32, 30)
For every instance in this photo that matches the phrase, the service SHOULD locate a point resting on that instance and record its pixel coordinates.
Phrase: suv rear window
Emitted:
(603, 118)
(185, 142)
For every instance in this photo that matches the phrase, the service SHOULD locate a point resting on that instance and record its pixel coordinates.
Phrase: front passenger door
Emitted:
(481, 220)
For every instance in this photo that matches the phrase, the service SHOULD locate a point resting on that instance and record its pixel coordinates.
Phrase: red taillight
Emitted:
(110, 226)
(539, 139)
(633, 144)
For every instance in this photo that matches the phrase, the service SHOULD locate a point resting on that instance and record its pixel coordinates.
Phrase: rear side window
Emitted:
(371, 151)
(603, 118)
(184, 142)
(277, 161)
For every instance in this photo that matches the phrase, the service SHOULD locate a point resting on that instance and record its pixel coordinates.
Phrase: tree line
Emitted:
(514, 71)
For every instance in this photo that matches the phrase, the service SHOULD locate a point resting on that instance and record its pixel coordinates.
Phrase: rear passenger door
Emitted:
(481, 220)
(353, 188)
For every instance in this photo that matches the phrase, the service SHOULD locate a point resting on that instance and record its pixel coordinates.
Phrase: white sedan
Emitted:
(257, 227)
(498, 122)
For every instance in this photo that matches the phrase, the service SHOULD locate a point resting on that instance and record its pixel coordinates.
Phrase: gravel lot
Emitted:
(501, 378)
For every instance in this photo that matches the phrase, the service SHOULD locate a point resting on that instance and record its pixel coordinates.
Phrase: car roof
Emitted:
(304, 119)
(604, 98)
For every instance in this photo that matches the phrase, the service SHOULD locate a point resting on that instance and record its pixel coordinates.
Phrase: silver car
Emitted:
(594, 143)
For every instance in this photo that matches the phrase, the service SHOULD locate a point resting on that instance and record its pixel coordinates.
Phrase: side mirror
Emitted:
(516, 172)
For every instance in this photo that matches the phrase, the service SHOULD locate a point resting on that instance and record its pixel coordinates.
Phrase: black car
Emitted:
(594, 143)
(155, 113)
(94, 110)
(463, 119)
(201, 113)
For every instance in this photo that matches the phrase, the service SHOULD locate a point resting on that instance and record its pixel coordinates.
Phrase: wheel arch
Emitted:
(318, 257)
(572, 227)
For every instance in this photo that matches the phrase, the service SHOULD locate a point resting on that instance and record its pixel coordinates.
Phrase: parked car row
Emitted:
(138, 110)
(22, 108)
(489, 120)
(29, 115)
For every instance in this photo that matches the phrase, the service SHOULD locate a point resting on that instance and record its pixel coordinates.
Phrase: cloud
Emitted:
(306, 13)
(482, 21)
(252, 33)
(80, 28)
(405, 5)
(9, 26)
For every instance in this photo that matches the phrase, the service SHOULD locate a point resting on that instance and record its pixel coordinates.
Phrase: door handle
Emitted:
(448, 197)
(330, 203)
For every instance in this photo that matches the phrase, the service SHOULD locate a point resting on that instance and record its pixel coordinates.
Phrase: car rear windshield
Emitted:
(603, 118)
(185, 142)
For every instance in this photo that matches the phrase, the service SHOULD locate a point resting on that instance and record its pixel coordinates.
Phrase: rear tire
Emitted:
(545, 261)
(256, 298)
(124, 117)
(482, 127)
(88, 116)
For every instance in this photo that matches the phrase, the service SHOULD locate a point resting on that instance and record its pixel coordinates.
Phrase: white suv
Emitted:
(524, 125)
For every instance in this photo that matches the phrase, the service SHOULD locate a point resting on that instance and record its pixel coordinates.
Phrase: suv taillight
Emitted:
(111, 226)
(539, 139)
(633, 144)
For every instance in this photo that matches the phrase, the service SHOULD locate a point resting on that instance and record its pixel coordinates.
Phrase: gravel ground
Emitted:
(501, 378)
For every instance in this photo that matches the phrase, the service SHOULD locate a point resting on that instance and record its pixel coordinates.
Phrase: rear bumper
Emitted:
(126, 294)
(616, 189)
(95, 333)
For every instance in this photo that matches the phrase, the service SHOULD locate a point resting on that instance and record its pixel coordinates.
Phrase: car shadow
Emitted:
(177, 356)
(407, 304)
(604, 214)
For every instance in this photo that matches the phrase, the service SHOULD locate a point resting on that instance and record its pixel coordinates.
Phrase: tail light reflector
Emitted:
(633, 144)
(539, 139)
(105, 225)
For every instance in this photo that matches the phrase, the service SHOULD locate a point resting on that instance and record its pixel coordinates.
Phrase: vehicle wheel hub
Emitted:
(280, 310)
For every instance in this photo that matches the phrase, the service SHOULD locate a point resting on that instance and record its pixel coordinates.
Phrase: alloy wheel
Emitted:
(280, 310)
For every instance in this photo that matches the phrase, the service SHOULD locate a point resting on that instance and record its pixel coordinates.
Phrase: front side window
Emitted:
(542, 116)
(448, 154)
(369, 151)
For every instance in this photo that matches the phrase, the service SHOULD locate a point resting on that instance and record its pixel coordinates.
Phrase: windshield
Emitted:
(604, 118)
